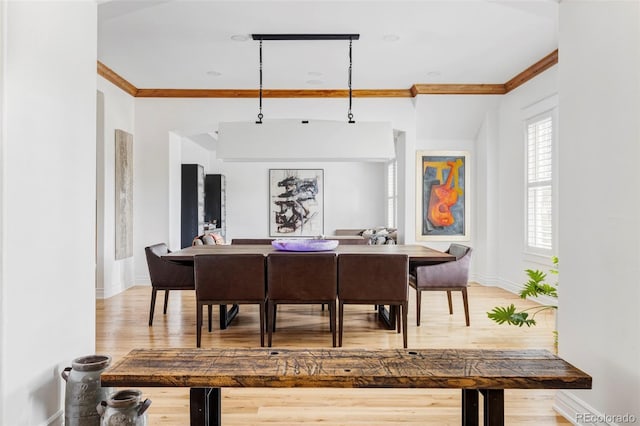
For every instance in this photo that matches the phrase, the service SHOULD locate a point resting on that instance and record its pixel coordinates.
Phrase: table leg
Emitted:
(470, 415)
(205, 406)
(493, 407)
(387, 316)
(226, 316)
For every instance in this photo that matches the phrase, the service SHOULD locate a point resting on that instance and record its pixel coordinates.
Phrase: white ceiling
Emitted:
(175, 43)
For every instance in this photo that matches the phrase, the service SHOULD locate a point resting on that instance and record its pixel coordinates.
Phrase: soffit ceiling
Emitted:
(187, 44)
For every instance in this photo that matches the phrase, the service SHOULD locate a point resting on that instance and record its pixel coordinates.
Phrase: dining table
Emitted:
(418, 255)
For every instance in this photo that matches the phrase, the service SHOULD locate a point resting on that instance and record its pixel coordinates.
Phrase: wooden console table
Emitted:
(486, 372)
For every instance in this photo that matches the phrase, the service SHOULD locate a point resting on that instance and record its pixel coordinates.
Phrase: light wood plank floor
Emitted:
(121, 325)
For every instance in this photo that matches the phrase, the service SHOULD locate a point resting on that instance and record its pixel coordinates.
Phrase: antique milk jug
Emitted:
(124, 408)
(83, 390)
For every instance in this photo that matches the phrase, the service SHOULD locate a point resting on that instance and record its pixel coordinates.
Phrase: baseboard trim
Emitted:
(516, 288)
(485, 280)
(141, 280)
(55, 420)
(579, 412)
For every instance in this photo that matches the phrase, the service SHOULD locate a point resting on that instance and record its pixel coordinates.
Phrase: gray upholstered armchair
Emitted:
(448, 276)
(166, 275)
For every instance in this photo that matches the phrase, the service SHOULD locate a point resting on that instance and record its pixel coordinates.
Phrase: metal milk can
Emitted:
(83, 390)
(124, 408)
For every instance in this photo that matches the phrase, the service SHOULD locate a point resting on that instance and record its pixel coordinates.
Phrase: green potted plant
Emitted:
(536, 286)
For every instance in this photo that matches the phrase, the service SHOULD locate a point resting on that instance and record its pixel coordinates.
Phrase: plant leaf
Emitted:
(509, 315)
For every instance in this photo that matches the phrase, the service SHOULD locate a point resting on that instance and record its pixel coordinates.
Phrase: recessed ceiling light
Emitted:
(240, 37)
(434, 74)
(390, 37)
(315, 82)
(213, 73)
(315, 73)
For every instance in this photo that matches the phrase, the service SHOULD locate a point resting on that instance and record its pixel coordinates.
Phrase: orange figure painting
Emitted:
(443, 186)
(441, 200)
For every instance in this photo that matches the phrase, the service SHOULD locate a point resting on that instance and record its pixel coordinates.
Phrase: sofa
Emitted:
(375, 235)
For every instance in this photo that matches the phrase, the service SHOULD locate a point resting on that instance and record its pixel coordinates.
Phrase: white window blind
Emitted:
(540, 183)
(392, 193)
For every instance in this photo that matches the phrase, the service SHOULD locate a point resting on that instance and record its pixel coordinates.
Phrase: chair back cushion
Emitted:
(165, 274)
(458, 250)
(448, 274)
(302, 277)
(373, 277)
(231, 277)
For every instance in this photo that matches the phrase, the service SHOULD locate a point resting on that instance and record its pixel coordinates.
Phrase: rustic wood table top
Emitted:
(346, 368)
(414, 251)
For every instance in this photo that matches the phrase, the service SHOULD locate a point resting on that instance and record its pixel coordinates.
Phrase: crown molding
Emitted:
(116, 79)
(270, 93)
(458, 89)
(538, 68)
(415, 90)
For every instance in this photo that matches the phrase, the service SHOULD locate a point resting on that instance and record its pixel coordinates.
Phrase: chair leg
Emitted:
(450, 304)
(262, 308)
(209, 313)
(405, 307)
(198, 324)
(398, 323)
(271, 310)
(465, 300)
(153, 305)
(418, 304)
(332, 320)
(340, 321)
(275, 312)
(166, 301)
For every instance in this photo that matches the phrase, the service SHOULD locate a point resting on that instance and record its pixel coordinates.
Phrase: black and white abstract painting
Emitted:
(296, 202)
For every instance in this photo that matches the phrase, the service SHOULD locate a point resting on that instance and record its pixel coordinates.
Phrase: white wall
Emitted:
(354, 195)
(599, 318)
(48, 203)
(113, 276)
(485, 225)
(451, 123)
(193, 153)
(533, 97)
(354, 191)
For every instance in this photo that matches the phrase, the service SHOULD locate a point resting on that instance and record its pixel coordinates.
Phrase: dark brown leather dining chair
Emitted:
(257, 241)
(448, 276)
(374, 279)
(222, 279)
(308, 278)
(166, 275)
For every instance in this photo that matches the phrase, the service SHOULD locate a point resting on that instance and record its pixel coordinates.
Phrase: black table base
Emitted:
(227, 315)
(206, 406)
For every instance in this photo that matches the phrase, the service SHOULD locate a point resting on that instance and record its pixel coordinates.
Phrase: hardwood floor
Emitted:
(121, 325)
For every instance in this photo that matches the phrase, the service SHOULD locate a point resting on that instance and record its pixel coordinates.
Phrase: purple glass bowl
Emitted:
(304, 245)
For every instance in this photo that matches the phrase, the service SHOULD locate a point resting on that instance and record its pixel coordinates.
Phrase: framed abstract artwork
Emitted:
(296, 202)
(442, 199)
(124, 194)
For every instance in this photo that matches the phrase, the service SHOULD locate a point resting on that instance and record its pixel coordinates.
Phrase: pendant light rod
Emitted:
(308, 37)
(350, 114)
(260, 115)
(305, 36)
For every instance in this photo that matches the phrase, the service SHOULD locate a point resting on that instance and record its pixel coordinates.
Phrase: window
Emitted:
(392, 193)
(539, 170)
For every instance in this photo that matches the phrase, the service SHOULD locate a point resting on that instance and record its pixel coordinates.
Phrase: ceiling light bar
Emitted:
(305, 36)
